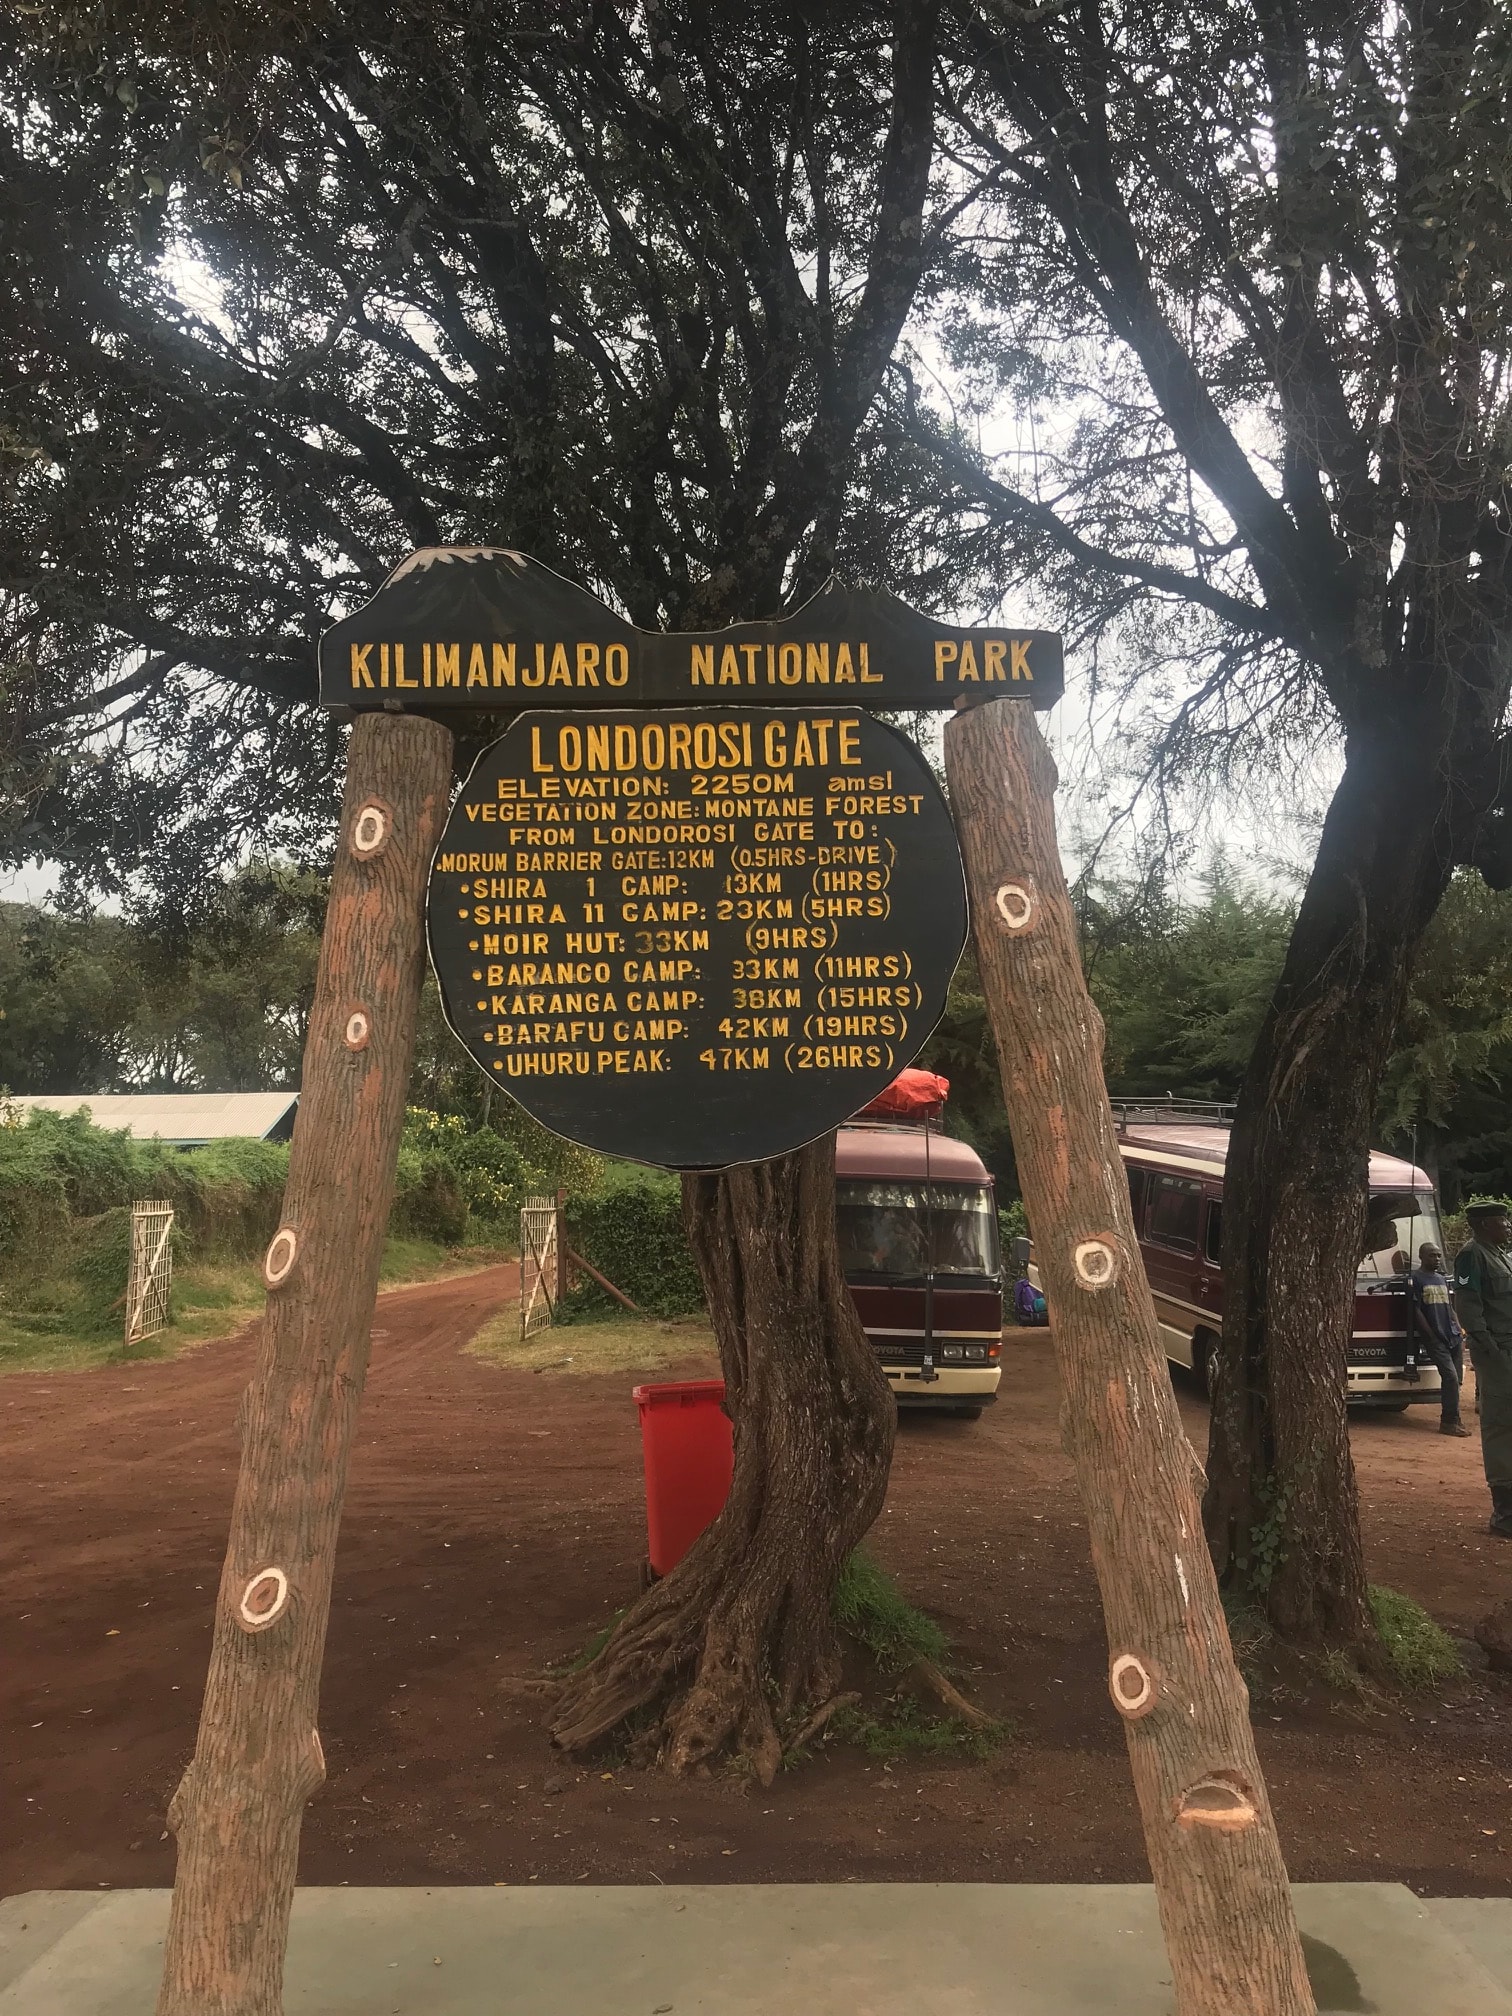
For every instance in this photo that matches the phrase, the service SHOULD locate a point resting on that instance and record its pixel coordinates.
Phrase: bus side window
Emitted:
(1139, 1184)
(1175, 1210)
(1213, 1245)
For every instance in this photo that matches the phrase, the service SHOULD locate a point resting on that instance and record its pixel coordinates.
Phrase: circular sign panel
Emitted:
(696, 937)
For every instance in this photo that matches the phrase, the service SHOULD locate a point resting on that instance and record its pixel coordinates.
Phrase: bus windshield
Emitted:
(883, 1227)
(1398, 1223)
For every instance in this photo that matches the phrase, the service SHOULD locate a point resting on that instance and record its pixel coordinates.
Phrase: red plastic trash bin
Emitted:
(689, 1449)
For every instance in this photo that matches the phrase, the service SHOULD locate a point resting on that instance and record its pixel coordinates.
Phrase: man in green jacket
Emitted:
(1483, 1303)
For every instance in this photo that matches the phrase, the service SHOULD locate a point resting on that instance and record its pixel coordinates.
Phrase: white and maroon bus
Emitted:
(918, 1225)
(1174, 1154)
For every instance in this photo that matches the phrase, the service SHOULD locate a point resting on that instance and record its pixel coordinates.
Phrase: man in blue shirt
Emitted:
(1437, 1334)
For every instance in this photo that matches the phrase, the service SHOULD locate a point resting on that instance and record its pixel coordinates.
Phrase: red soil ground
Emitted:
(495, 1520)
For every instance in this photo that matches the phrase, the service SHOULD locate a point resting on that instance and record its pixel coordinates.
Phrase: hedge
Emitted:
(630, 1226)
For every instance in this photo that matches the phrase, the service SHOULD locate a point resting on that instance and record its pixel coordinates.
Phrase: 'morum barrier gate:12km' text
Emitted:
(697, 910)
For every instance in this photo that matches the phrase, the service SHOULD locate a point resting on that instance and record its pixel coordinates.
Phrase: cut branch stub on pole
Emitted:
(1225, 1905)
(238, 1810)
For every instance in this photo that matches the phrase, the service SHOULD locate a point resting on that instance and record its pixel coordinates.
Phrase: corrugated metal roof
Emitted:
(182, 1119)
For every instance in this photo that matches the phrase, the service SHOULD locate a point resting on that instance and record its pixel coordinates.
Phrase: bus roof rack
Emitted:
(1215, 1112)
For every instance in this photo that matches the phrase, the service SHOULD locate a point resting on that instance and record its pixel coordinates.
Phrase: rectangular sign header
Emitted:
(489, 629)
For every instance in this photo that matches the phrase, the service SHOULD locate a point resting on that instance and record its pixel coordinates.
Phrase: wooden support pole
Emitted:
(238, 1809)
(577, 1260)
(1225, 1905)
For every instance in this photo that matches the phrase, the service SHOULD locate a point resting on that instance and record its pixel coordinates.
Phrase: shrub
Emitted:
(490, 1174)
(229, 1196)
(631, 1228)
(1012, 1224)
(428, 1199)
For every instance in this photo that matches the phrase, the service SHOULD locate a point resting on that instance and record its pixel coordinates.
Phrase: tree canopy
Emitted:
(292, 293)
(1241, 273)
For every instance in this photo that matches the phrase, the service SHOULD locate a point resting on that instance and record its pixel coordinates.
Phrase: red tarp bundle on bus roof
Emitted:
(910, 1095)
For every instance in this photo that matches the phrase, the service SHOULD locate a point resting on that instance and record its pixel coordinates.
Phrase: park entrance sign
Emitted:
(706, 906)
(696, 938)
(485, 629)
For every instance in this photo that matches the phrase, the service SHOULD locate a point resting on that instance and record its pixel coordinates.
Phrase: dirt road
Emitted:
(495, 1520)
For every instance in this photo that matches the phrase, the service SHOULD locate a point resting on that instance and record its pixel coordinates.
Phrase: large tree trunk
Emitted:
(1211, 1836)
(741, 1633)
(1281, 1510)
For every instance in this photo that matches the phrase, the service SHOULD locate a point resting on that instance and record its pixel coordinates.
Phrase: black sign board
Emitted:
(463, 626)
(696, 936)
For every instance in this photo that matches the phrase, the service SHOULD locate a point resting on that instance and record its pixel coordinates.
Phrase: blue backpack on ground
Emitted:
(1028, 1302)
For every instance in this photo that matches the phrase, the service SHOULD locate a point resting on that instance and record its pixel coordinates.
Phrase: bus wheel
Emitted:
(967, 1413)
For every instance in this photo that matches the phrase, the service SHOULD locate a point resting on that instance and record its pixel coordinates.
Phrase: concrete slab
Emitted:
(1483, 1926)
(716, 1950)
(30, 1925)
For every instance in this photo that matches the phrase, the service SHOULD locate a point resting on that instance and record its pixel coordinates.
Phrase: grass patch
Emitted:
(1421, 1653)
(906, 1728)
(61, 1332)
(873, 1609)
(619, 1344)
(1418, 1654)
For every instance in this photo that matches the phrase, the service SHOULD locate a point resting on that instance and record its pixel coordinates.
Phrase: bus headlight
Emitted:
(977, 1353)
(951, 1351)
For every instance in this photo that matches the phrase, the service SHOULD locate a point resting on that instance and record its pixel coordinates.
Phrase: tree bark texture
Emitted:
(1219, 1877)
(1282, 1512)
(740, 1636)
(238, 1809)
